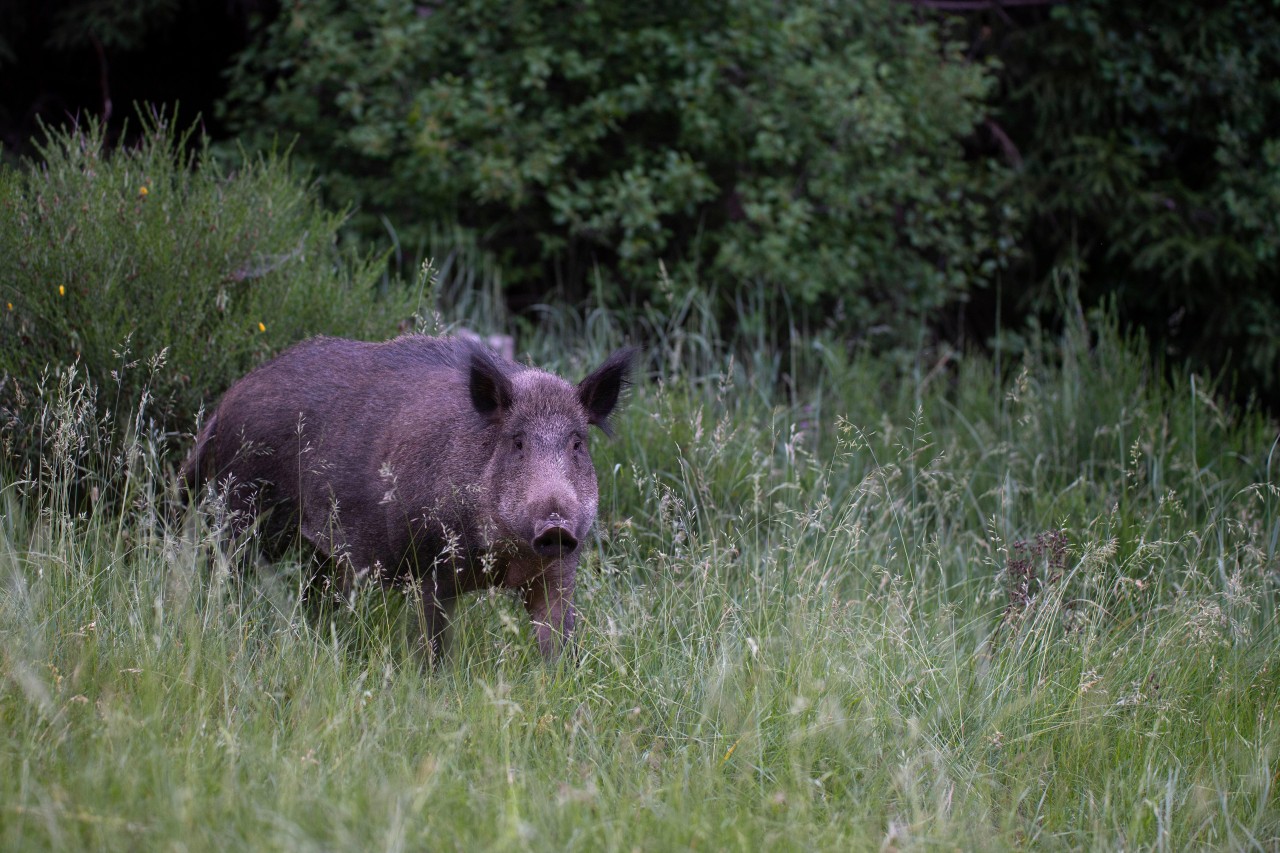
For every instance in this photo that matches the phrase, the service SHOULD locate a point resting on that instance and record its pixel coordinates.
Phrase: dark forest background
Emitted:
(904, 177)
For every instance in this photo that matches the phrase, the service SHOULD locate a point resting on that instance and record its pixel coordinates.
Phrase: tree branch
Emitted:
(976, 5)
(102, 75)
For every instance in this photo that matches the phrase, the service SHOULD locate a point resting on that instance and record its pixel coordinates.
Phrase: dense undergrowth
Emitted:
(831, 604)
(118, 259)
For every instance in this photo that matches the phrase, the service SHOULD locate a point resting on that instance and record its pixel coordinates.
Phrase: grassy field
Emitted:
(950, 605)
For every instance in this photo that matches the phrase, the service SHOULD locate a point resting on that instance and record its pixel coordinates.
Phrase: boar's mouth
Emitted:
(553, 539)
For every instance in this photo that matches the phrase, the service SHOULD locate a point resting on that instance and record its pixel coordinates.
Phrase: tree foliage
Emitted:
(1151, 140)
(806, 149)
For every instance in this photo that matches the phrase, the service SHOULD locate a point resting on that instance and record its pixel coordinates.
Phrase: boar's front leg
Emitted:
(549, 600)
(433, 618)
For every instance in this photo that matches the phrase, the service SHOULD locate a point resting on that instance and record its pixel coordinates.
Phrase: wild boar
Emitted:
(420, 459)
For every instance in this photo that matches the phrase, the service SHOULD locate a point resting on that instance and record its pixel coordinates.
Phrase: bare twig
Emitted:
(1011, 152)
(268, 264)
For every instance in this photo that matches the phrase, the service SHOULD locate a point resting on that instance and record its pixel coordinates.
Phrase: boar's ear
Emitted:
(599, 392)
(490, 387)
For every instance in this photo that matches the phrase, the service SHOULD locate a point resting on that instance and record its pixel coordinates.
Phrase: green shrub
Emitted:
(809, 149)
(113, 259)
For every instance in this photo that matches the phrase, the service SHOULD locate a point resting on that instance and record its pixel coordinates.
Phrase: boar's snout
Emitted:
(553, 538)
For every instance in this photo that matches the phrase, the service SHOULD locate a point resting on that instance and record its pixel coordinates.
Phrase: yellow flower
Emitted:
(261, 327)
(10, 304)
(62, 291)
(142, 191)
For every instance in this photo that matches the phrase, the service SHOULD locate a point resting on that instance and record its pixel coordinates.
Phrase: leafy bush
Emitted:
(806, 149)
(1152, 155)
(112, 259)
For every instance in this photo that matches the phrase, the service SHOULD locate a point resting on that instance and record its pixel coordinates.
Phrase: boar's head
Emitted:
(540, 477)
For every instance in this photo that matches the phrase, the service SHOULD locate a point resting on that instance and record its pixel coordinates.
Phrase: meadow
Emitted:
(833, 602)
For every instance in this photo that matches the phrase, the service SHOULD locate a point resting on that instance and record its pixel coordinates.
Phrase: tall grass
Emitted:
(830, 604)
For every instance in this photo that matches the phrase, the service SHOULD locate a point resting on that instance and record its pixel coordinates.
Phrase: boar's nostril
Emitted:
(554, 541)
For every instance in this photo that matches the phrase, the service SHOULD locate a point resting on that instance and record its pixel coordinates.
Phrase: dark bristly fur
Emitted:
(430, 459)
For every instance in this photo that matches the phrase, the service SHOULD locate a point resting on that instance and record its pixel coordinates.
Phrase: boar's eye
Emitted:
(518, 441)
(577, 444)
